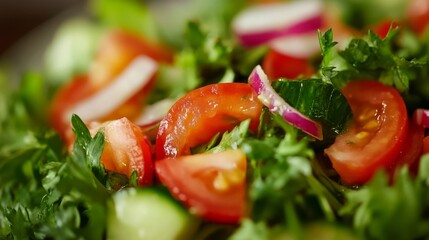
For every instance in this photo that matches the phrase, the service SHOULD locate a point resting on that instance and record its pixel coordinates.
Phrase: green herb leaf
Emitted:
(319, 101)
(382, 211)
(367, 58)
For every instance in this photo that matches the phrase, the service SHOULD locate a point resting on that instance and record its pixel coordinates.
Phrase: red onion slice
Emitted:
(300, 46)
(137, 74)
(263, 23)
(268, 96)
(421, 116)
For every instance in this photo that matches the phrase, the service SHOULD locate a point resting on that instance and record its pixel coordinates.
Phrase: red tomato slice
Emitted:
(199, 115)
(126, 150)
(376, 135)
(382, 28)
(277, 65)
(211, 185)
(418, 15)
(412, 148)
(118, 48)
(77, 89)
(116, 52)
(73, 93)
(426, 145)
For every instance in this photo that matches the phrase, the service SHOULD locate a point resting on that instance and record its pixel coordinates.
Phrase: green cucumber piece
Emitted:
(319, 101)
(148, 213)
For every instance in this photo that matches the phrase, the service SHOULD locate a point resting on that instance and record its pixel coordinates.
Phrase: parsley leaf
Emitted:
(367, 58)
(283, 190)
(381, 210)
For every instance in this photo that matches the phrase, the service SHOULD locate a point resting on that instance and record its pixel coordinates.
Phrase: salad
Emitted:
(244, 119)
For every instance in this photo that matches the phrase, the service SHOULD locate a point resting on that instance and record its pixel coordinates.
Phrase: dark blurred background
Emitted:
(19, 17)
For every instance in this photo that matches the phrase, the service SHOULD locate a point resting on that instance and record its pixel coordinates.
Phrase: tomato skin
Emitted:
(376, 134)
(418, 15)
(77, 89)
(210, 185)
(117, 49)
(199, 115)
(382, 28)
(116, 52)
(126, 149)
(277, 65)
(426, 145)
(412, 147)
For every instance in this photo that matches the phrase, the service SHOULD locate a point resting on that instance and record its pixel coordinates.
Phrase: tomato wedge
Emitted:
(199, 115)
(73, 92)
(376, 134)
(211, 185)
(277, 65)
(413, 147)
(126, 149)
(383, 27)
(117, 49)
(418, 15)
(426, 145)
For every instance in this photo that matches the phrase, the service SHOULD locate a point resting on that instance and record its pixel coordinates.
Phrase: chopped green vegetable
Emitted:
(319, 101)
(71, 50)
(148, 213)
(367, 58)
(51, 192)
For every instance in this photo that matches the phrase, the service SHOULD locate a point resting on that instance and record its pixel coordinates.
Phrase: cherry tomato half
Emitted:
(126, 149)
(211, 185)
(277, 65)
(412, 148)
(202, 113)
(376, 134)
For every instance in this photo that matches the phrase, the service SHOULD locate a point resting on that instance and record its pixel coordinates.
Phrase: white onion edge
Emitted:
(135, 76)
(264, 23)
(259, 82)
(300, 46)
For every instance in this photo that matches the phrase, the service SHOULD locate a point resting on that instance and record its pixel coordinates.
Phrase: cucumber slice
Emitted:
(319, 101)
(148, 213)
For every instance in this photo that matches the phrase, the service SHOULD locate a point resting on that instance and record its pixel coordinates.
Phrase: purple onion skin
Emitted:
(276, 104)
(422, 117)
(253, 39)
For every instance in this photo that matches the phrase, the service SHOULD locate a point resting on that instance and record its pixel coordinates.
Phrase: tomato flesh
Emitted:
(210, 185)
(117, 49)
(201, 114)
(277, 65)
(426, 145)
(418, 15)
(126, 150)
(73, 92)
(382, 28)
(412, 148)
(376, 134)
(116, 52)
